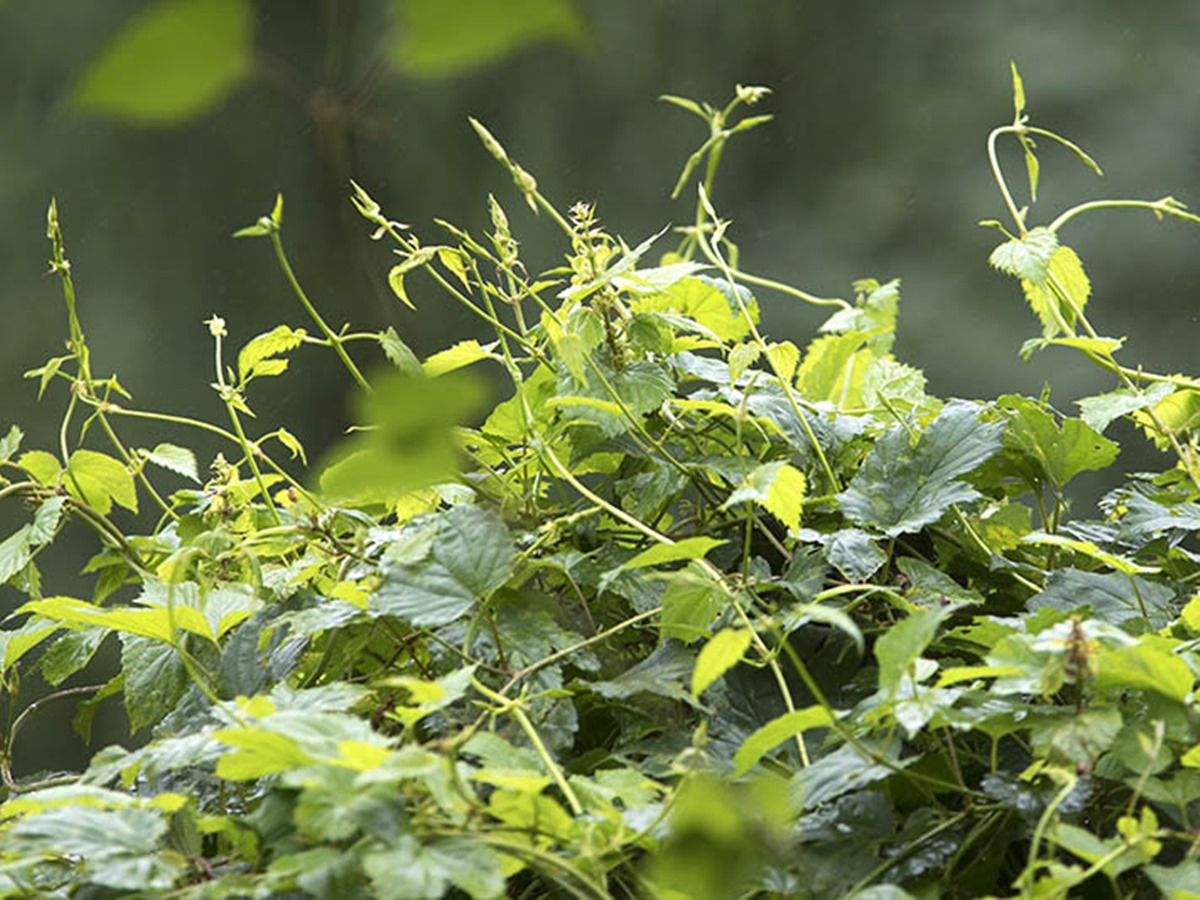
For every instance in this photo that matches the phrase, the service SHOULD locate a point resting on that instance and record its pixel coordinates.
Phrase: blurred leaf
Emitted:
(718, 656)
(438, 38)
(690, 603)
(174, 60)
(258, 752)
(411, 445)
(399, 353)
(1144, 667)
(10, 443)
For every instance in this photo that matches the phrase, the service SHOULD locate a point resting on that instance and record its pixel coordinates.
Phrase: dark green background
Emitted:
(875, 166)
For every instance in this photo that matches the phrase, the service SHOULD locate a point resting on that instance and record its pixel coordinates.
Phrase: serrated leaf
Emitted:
(778, 488)
(179, 460)
(174, 60)
(255, 358)
(900, 488)
(10, 443)
(1061, 297)
(1060, 452)
(15, 552)
(718, 656)
(399, 353)
(1028, 257)
(742, 357)
(691, 602)
(1102, 410)
(154, 679)
(97, 480)
(704, 301)
(784, 358)
(686, 549)
(774, 733)
(462, 354)
(436, 39)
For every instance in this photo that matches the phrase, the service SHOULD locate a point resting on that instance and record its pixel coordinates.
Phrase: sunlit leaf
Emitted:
(774, 733)
(97, 479)
(718, 656)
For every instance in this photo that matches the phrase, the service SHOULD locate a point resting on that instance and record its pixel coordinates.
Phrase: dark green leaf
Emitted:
(901, 488)
(1113, 598)
(154, 679)
(1061, 453)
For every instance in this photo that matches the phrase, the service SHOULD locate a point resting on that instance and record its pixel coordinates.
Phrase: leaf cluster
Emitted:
(686, 613)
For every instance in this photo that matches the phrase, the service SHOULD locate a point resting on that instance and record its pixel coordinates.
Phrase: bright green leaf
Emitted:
(774, 733)
(464, 353)
(97, 479)
(174, 60)
(438, 38)
(1027, 258)
(718, 656)
(686, 549)
(180, 460)
(256, 357)
(1145, 667)
(902, 644)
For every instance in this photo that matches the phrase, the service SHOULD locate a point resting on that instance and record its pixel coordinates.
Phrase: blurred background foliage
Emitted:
(164, 125)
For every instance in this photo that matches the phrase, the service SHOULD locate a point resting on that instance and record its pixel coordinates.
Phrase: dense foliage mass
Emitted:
(690, 613)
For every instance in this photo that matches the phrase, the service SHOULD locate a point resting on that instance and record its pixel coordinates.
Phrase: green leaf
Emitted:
(436, 38)
(854, 553)
(1060, 452)
(462, 354)
(1062, 296)
(690, 603)
(1018, 92)
(472, 556)
(901, 488)
(411, 445)
(174, 60)
(258, 752)
(154, 679)
(1027, 258)
(10, 443)
(43, 467)
(1145, 667)
(778, 488)
(255, 358)
(15, 643)
(901, 645)
(1102, 410)
(686, 549)
(415, 260)
(774, 733)
(15, 552)
(718, 656)
(97, 479)
(399, 353)
(180, 460)
(1113, 598)
(705, 302)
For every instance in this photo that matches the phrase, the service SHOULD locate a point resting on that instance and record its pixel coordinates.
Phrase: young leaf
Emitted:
(399, 353)
(178, 459)
(901, 488)
(255, 358)
(97, 479)
(902, 644)
(774, 733)
(10, 443)
(1145, 667)
(688, 548)
(1064, 293)
(718, 656)
(174, 60)
(778, 488)
(462, 354)
(1027, 258)
(1102, 410)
